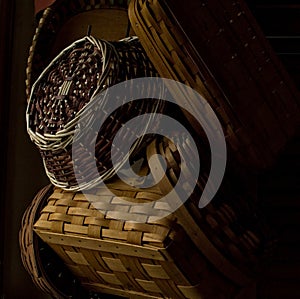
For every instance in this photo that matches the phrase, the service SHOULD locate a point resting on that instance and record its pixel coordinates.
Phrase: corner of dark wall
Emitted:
(24, 171)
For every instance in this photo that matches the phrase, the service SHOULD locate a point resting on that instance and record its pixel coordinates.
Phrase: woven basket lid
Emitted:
(65, 21)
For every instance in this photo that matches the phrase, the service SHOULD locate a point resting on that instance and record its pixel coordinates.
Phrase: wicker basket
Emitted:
(46, 269)
(154, 259)
(229, 231)
(66, 87)
(65, 21)
(217, 48)
(32, 249)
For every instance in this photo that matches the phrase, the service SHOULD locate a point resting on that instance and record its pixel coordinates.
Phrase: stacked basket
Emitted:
(217, 48)
(101, 235)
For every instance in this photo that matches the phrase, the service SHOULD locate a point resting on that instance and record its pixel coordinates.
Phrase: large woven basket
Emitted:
(65, 21)
(66, 87)
(214, 252)
(217, 48)
(46, 269)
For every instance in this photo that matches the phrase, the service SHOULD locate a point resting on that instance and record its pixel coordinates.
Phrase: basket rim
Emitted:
(43, 16)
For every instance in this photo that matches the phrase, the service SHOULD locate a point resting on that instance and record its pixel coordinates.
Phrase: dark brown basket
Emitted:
(65, 21)
(153, 259)
(66, 87)
(217, 48)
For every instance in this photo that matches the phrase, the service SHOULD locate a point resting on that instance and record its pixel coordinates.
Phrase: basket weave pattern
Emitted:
(230, 226)
(51, 21)
(46, 269)
(193, 253)
(124, 258)
(63, 90)
(28, 242)
(228, 61)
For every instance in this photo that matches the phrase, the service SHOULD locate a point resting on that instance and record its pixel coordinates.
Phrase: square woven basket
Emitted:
(117, 248)
(64, 22)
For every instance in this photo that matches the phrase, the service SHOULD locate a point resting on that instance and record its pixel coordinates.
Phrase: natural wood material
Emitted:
(46, 269)
(30, 246)
(153, 259)
(214, 252)
(217, 48)
(229, 231)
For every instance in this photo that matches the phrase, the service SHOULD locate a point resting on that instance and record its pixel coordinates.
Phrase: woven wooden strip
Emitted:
(46, 269)
(246, 85)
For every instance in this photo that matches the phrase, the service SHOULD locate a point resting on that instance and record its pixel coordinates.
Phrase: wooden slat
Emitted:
(95, 244)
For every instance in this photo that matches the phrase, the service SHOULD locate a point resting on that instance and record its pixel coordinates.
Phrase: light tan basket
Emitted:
(46, 269)
(217, 48)
(153, 259)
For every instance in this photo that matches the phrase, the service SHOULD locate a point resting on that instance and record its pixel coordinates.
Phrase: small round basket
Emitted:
(71, 82)
(65, 21)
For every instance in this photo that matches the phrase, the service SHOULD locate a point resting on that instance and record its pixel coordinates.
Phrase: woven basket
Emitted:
(217, 48)
(229, 231)
(33, 249)
(66, 87)
(46, 269)
(153, 259)
(66, 21)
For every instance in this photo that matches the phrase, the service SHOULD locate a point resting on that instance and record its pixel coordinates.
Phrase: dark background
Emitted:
(21, 173)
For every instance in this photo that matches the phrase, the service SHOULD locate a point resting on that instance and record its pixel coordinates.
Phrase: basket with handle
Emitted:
(149, 258)
(64, 89)
(65, 21)
(217, 48)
